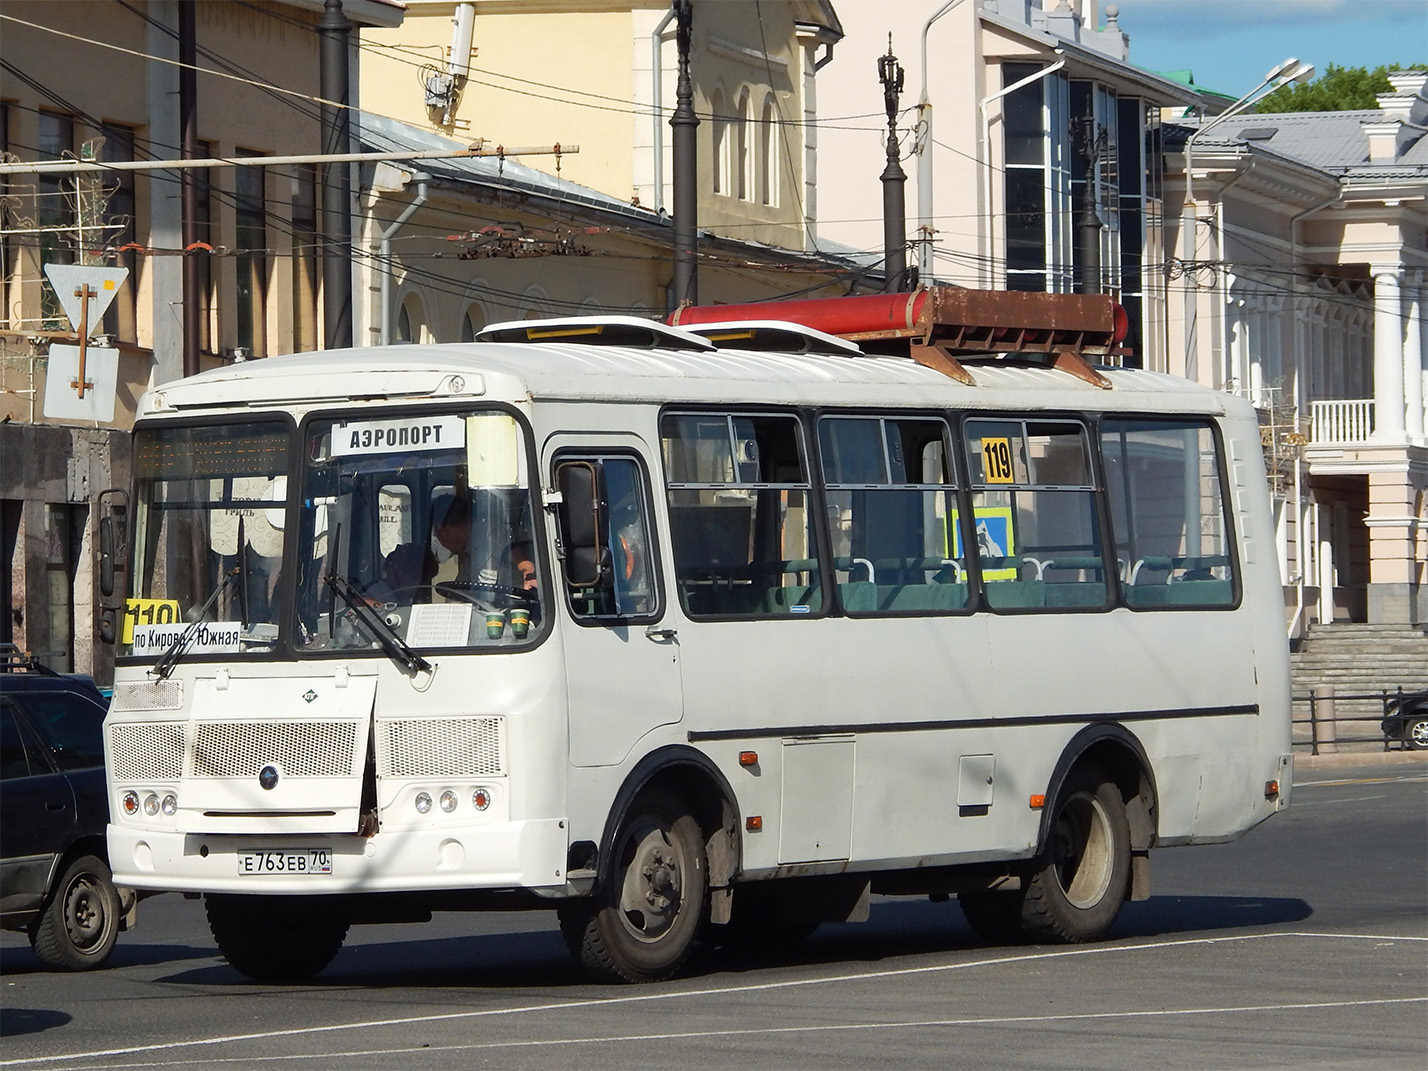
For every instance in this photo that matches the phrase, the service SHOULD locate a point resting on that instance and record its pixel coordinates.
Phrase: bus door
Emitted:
(622, 656)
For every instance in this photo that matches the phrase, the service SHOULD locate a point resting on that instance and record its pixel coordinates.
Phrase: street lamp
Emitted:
(1291, 70)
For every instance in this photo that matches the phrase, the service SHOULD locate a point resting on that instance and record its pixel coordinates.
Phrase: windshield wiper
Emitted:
(165, 665)
(395, 647)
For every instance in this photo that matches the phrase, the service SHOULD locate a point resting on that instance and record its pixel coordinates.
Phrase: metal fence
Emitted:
(1320, 726)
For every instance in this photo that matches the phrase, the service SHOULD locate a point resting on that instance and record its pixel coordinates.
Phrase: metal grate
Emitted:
(148, 695)
(300, 748)
(147, 751)
(441, 747)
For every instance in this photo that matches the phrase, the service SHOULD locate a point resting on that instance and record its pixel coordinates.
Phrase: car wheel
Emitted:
(1415, 733)
(77, 929)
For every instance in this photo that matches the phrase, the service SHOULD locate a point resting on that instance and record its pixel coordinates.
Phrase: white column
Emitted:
(1387, 354)
(1413, 359)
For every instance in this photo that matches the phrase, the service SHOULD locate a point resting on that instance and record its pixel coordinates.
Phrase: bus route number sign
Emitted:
(148, 612)
(997, 461)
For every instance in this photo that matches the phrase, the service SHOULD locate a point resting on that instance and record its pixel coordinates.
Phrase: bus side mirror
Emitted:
(582, 523)
(113, 507)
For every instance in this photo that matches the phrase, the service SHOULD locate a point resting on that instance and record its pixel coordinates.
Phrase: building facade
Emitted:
(1298, 280)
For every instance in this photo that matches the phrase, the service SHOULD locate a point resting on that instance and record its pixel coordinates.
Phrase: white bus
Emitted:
(684, 642)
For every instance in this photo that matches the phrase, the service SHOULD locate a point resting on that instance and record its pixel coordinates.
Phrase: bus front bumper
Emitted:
(513, 855)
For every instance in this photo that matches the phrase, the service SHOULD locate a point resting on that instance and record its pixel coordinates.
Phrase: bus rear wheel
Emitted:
(1078, 889)
(278, 938)
(641, 923)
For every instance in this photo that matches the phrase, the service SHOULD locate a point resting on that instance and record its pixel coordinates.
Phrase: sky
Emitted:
(1230, 45)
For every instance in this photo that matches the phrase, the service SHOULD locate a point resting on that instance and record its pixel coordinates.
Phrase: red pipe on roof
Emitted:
(861, 315)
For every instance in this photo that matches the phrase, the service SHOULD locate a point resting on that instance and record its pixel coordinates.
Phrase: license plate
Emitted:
(285, 861)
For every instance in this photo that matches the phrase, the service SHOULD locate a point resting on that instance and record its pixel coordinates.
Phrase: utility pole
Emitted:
(192, 309)
(1090, 144)
(336, 179)
(894, 181)
(685, 284)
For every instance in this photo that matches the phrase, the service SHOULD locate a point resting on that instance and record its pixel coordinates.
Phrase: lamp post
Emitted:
(925, 227)
(894, 180)
(1291, 70)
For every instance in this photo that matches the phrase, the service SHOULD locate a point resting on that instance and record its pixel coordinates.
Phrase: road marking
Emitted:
(666, 995)
(1415, 779)
(830, 1028)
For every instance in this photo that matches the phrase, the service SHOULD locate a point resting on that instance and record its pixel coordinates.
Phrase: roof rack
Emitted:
(945, 329)
(14, 660)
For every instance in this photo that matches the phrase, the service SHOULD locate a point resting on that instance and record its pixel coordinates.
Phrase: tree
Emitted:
(1338, 89)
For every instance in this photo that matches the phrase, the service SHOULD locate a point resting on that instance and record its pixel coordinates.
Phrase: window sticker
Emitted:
(390, 436)
(997, 461)
(213, 637)
(139, 612)
(995, 537)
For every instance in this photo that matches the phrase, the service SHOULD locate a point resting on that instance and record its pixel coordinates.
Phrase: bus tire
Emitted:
(278, 938)
(1081, 882)
(77, 929)
(995, 917)
(640, 924)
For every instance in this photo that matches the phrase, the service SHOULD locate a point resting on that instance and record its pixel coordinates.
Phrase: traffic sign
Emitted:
(85, 291)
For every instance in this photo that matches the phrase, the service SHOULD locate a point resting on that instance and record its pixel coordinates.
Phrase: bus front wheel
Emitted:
(640, 924)
(278, 938)
(1078, 889)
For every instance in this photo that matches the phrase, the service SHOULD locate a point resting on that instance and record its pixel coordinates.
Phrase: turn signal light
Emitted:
(754, 823)
(1271, 790)
(1037, 802)
(130, 802)
(748, 758)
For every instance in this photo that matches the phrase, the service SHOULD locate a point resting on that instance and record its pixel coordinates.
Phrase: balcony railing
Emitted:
(1345, 420)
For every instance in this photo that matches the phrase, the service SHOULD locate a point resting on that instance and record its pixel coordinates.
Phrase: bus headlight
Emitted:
(423, 802)
(169, 805)
(151, 805)
(448, 801)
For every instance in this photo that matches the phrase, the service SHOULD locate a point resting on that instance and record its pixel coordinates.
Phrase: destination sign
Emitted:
(419, 434)
(214, 637)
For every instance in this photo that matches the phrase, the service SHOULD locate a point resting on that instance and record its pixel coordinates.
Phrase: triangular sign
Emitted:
(77, 283)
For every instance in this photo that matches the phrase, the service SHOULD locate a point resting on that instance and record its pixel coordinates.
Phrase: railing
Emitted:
(1320, 728)
(1344, 420)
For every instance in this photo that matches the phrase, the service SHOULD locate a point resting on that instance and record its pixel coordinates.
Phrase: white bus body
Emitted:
(799, 635)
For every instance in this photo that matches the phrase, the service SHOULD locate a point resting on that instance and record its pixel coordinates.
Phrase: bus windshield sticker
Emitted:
(997, 461)
(439, 625)
(141, 612)
(213, 637)
(419, 434)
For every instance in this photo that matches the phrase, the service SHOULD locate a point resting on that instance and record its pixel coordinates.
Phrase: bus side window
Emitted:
(1172, 532)
(606, 539)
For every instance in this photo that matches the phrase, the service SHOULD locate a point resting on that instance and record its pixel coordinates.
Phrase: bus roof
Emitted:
(548, 371)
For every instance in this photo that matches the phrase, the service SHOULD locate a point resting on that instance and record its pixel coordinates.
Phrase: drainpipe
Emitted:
(1301, 403)
(657, 93)
(384, 337)
(925, 223)
(984, 193)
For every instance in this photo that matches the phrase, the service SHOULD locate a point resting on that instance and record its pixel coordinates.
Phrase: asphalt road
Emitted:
(1305, 944)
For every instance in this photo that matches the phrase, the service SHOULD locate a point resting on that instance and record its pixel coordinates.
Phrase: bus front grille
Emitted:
(301, 748)
(441, 747)
(147, 751)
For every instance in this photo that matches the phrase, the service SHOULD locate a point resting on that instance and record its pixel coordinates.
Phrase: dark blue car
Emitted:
(55, 882)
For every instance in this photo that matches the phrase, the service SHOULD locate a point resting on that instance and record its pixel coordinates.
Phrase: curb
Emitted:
(1359, 758)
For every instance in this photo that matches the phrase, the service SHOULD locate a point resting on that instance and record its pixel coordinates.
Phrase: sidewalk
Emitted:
(1305, 761)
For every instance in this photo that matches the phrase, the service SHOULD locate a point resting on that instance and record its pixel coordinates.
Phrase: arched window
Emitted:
(742, 168)
(723, 170)
(770, 150)
(472, 321)
(411, 323)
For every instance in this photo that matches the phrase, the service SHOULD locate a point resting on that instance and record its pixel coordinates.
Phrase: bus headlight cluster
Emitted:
(450, 800)
(151, 803)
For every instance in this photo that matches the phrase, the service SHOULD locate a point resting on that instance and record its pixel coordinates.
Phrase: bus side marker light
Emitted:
(1271, 790)
(754, 823)
(748, 758)
(1037, 802)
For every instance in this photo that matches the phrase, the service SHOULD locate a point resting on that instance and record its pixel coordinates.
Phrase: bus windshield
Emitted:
(208, 538)
(416, 529)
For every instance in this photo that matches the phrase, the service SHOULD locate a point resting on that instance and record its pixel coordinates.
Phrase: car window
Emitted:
(71, 726)
(14, 762)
